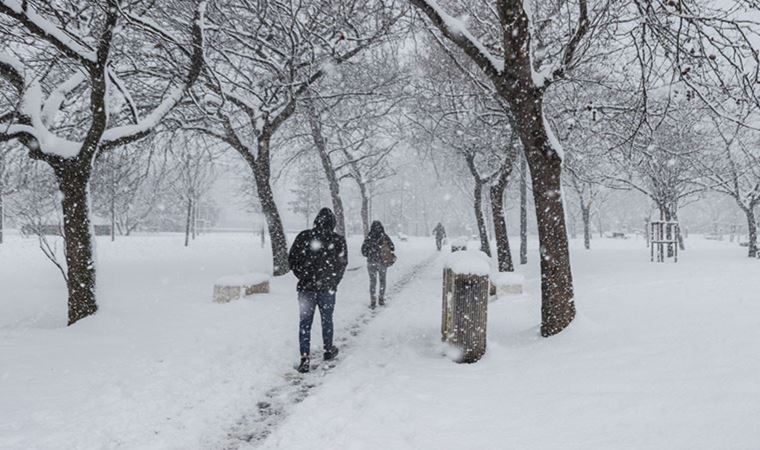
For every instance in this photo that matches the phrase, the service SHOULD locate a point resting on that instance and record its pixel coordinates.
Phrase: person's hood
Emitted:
(325, 220)
(376, 229)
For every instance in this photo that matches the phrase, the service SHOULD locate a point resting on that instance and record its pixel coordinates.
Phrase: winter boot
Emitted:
(331, 353)
(381, 301)
(372, 302)
(305, 362)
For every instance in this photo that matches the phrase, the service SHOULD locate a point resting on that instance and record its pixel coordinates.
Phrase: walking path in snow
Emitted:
(254, 428)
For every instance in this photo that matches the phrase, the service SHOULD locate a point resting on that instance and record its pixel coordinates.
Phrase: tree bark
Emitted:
(277, 237)
(751, 232)
(503, 252)
(194, 223)
(679, 237)
(586, 215)
(332, 178)
(112, 207)
(365, 207)
(557, 303)
(523, 210)
(73, 183)
(187, 220)
(485, 247)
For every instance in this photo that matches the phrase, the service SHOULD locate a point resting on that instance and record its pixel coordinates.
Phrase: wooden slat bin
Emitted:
(465, 304)
(234, 287)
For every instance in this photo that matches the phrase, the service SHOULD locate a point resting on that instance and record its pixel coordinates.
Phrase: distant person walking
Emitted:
(318, 258)
(440, 235)
(378, 248)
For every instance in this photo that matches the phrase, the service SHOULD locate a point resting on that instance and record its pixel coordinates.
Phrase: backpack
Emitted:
(387, 257)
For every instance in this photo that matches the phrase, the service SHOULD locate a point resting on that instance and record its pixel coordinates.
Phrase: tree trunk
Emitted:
(113, 216)
(324, 157)
(586, 215)
(523, 210)
(599, 224)
(77, 230)
(485, 247)
(573, 226)
(503, 252)
(557, 303)
(271, 214)
(194, 222)
(188, 220)
(751, 232)
(679, 237)
(365, 207)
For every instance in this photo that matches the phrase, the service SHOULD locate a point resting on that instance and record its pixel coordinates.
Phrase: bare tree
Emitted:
(266, 56)
(86, 65)
(14, 168)
(194, 174)
(35, 208)
(521, 81)
(126, 186)
(733, 169)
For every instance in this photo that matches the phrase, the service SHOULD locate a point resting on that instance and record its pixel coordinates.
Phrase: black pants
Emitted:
(438, 243)
(376, 270)
(308, 302)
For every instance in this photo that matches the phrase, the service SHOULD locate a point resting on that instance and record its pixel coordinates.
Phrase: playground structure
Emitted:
(663, 240)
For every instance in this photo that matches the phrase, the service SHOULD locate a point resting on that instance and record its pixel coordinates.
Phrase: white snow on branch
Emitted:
(48, 141)
(12, 61)
(148, 122)
(542, 76)
(31, 109)
(458, 27)
(553, 141)
(58, 96)
(50, 28)
(151, 121)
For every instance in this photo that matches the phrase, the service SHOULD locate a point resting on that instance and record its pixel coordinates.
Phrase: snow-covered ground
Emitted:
(661, 355)
(160, 365)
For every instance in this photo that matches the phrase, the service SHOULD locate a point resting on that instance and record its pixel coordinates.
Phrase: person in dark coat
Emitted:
(377, 268)
(318, 258)
(440, 235)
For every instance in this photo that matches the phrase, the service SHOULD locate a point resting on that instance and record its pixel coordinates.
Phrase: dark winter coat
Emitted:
(439, 231)
(319, 256)
(374, 242)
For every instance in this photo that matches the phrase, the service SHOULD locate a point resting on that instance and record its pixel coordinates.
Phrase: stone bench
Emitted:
(507, 283)
(234, 287)
(458, 245)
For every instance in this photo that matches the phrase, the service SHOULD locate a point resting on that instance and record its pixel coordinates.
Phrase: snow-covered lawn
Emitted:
(160, 365)
(661, 355)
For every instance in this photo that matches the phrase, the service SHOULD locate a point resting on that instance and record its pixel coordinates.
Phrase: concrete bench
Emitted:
(234, 287)
(507, 283)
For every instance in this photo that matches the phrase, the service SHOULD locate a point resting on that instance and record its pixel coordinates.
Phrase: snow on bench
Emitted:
(507, 283)
(233, 287)
(458, 244)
